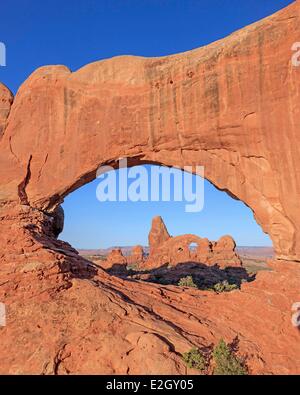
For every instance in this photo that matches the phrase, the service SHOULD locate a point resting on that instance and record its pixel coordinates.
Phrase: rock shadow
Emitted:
(204, 276)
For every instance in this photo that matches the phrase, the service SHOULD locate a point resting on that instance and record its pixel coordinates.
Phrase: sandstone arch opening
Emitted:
(97, 228)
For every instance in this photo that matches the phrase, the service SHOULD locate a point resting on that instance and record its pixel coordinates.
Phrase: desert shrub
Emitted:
(226, 363)
(194, 359)
(224, 286)
(187, 282)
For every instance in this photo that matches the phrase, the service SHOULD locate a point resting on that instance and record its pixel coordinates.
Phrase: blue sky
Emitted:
(76, 32)
(93, 224)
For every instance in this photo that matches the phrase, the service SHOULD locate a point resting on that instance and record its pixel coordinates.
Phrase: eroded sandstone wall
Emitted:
(232, 106)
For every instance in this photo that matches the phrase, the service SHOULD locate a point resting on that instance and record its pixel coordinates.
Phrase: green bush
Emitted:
(226, 363)
(224, 286)
(187, 282)
(194, 359)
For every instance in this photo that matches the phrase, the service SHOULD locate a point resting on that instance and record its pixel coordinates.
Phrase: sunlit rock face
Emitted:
(158, 233)
(171, 251)
(115, 261)
(136, 257)
(233, 107)
(6, 99)
(166, 250)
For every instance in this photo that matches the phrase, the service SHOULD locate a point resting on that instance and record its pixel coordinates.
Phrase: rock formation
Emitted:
(233, 107)
(136, 257)
(118, 262)
(171, 251)
(58, 220)
(158, 233)
(167, 250)
(115, 261)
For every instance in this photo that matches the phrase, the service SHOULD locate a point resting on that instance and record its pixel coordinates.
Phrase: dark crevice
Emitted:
(22, 186)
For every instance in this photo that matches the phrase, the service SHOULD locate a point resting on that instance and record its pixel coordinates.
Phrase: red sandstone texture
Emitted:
(158, 234)
(6, 99)
(232, 106)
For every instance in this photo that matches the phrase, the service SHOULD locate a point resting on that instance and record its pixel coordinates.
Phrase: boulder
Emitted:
(58, 220)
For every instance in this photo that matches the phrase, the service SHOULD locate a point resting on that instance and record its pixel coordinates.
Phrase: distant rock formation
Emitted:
(136, 257)
(158, 233)
(167, 250)
(115, 261)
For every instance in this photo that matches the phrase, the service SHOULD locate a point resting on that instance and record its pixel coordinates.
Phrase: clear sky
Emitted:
(93, 224)
(76, 32)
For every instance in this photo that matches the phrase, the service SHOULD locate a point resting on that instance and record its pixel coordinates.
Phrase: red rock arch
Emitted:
(232, 107)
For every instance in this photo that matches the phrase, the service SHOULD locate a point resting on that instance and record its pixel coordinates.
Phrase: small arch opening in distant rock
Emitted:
(193, 247)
